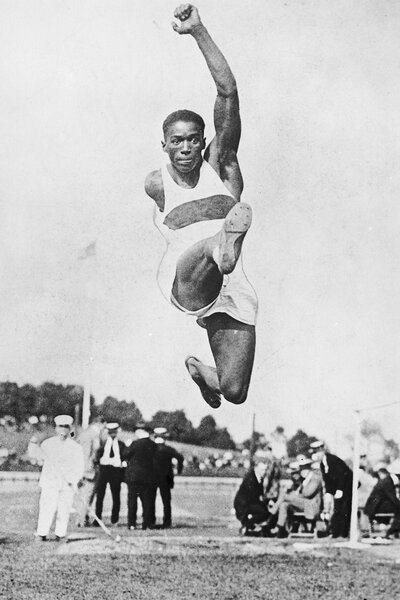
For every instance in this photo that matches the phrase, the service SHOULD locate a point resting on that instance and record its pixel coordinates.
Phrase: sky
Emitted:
(86, 86)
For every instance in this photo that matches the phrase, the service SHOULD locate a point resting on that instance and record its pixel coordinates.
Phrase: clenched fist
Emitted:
(189, 18)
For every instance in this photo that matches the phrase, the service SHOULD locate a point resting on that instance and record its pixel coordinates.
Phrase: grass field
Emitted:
(202, 557)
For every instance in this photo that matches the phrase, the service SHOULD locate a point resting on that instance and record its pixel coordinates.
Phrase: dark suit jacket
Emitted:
(250, 492)
(139, 456)
(382, 498)
(338, 477)
(163, 469)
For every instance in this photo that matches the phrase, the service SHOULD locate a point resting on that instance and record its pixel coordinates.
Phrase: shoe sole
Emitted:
(237, 223)
(212, 398)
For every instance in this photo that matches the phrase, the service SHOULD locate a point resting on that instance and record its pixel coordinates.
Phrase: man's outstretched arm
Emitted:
(226, 109)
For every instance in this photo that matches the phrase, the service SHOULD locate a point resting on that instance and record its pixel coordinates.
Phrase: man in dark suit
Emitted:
(249, 503)
(338, 482)
(109, 457)
(384, 498)
(164, 475)
(139, 475)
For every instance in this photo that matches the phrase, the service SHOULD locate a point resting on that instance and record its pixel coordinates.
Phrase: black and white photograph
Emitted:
(200, 291)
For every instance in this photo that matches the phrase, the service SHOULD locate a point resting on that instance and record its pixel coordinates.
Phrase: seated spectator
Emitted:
(306, 498)
(384, 498)
(249, 503)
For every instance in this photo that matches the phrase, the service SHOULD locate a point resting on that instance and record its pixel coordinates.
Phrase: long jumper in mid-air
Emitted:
(199, 213)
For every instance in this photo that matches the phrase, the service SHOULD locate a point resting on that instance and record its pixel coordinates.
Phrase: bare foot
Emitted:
(237, 224)
(212, 397)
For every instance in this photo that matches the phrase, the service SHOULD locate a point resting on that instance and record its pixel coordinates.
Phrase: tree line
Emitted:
(50, 399)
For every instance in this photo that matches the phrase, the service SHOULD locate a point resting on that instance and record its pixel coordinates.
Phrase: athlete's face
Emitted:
(184, 143)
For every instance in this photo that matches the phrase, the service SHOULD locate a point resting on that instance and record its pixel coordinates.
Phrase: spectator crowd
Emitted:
(312, 494)
(273, 501)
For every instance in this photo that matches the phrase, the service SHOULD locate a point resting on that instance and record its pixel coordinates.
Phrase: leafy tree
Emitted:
(208, 434)
(9, 401)
(299, 443)
(125, 413)
(178, 425)
(55, 399)
(28, 400)
(372, 431)
(206, 430)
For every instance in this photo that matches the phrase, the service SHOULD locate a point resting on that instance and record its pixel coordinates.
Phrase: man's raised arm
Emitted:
(226, 110)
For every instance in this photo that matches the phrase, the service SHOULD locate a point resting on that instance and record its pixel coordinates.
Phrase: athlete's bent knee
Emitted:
(236, 394)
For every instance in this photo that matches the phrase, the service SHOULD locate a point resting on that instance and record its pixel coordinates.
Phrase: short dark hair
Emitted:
(183, 115)
(383, 471)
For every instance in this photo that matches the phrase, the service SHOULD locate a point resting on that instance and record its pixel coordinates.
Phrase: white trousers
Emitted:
(52, 501)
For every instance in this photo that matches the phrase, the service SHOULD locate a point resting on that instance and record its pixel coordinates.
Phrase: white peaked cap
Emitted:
(63, 420)
(112, 426)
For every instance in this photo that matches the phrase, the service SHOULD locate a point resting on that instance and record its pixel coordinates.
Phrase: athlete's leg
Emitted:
(200, 269)
(233, 345)
(198, 279)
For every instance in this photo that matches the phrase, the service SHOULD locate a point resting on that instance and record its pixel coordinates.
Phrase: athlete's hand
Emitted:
(189, 18)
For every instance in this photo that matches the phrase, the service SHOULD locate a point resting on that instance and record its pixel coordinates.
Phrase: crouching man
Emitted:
(249, 503)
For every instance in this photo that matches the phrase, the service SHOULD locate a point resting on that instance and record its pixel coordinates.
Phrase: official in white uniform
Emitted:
(63, 467)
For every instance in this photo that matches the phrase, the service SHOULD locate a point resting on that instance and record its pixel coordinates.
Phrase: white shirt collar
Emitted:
(325, 463)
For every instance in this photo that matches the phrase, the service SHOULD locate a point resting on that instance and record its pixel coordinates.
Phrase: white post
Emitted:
(87, 386)
(89, 274)
(356, 468)
(86, 405)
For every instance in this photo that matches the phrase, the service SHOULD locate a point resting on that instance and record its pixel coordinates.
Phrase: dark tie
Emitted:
(112, 450)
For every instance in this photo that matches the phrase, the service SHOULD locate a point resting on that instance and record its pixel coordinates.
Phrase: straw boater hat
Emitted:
(317, 445)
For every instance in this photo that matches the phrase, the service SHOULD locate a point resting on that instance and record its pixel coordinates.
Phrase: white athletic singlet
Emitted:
(191, 215)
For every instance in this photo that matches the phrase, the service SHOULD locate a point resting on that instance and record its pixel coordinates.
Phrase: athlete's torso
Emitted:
(193, 213)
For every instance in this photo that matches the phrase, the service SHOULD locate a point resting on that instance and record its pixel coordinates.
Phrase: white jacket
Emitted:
(63, 463)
